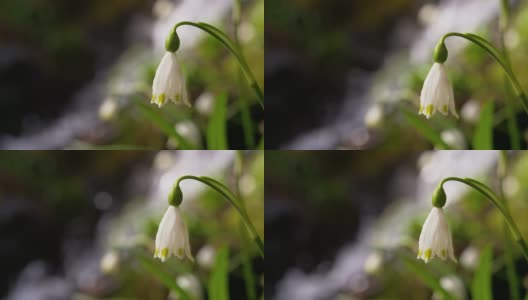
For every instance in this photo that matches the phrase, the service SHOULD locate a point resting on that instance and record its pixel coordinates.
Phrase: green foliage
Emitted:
(424, 128)
(216, 130)
(513, 278)
(218, 281)
(249, 277)
(483, 135)
(155, 115)
(425, 275)
(481, 285)
(153, 266)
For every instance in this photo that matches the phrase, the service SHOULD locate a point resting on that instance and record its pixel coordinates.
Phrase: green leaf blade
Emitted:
(513, 278)
(218, 282)
(165, 126)
(425, 129)
(216, 129)
(425, 275)
(483, 136)
(481, 285)
(166, 278)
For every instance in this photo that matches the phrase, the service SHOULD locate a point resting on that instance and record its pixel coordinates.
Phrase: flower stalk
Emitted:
(498, 203)
(232, 199)
(498, 57)
(233, 48)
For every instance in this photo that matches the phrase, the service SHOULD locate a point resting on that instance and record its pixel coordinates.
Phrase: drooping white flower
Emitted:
(435, 238)
(169, 82)
(437, 93)
(172, 237)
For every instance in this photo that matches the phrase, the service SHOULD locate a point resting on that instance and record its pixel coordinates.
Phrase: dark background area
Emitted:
(315, 202)
(49, 49)
(311, 49)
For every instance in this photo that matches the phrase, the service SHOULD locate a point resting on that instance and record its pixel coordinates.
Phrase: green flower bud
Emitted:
(439, 197)
(176, 195)
(172, 43)
(440, 52)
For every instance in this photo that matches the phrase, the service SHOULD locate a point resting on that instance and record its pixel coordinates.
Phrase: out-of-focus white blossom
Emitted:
(454, 138)
(108, 109)
(469, 257)
(373, 263)
(374, 116)
(206, 257)
(109, 262)
(191, 285)
(470, 111)
(453, 285)
(189, 131)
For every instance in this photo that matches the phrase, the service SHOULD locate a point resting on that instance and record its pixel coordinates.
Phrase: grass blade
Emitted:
(425, 275)
(216, 129)
(247, 124)
(513, 279)
(481, 285)
(218, 282)
(483, 136)
(513, 127)
(249, 276)
(424, 128)
(165, 277)
(167, 127)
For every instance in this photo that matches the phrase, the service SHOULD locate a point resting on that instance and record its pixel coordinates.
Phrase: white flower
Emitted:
(435, 238)
(169, 83)
(437, 93)
(172, 237)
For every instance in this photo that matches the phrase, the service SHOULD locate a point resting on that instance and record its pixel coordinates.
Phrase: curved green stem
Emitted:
(498, 203)
(232, 47)
(233, 200)
(499, 58)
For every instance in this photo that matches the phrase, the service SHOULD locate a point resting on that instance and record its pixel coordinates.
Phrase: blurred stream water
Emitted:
(145, 40)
